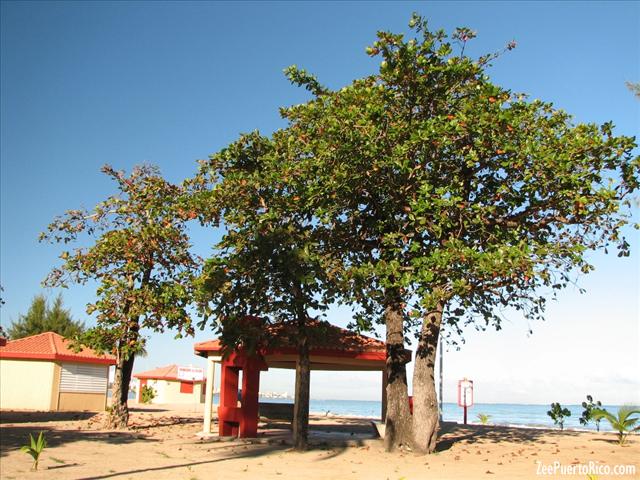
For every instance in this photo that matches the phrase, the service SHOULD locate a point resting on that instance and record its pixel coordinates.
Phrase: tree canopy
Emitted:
(442, 198)
(267, 266)
(42, 317)
(139, 256)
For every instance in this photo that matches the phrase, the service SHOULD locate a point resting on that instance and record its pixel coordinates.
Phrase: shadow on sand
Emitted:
(16, 426)
(12, 416)
(452, 433)
(264, 445)
(331, 437)
(257, 451)
(13, 437)
(337, 441)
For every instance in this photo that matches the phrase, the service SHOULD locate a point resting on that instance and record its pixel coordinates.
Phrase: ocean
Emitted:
(500, 413)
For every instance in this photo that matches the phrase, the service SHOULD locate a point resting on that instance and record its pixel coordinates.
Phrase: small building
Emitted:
(42, 372)
(170, 385)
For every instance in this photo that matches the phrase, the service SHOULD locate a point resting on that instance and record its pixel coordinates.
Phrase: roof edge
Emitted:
(54, 357)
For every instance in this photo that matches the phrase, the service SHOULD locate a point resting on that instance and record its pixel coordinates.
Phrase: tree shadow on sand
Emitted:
(453, 433)
(12, 416)
(13, 437)
(256, 451)
(239, 449)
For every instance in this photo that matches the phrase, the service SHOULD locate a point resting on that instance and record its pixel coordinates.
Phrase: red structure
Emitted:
(331, 348)
(241, 420)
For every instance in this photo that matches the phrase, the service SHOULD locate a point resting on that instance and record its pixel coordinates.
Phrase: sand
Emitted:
(162, 444)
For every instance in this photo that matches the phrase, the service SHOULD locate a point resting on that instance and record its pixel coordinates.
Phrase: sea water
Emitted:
(511, 414)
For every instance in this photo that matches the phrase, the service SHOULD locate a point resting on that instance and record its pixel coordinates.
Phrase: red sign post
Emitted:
(465, 395)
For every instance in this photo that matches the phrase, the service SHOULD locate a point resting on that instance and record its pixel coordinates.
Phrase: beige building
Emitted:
(42, 372)
(169, 387)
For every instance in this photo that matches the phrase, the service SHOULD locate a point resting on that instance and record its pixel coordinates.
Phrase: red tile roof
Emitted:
(324, 339)
(51, 346)
(170, 372)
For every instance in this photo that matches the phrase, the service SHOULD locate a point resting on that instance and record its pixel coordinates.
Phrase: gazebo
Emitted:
(330, 348)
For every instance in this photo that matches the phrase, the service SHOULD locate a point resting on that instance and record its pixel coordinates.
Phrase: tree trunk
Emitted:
(398, 422)
(119, 413)
(425, 400)
(303, 381)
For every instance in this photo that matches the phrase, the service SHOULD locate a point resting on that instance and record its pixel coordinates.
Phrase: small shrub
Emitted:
(557, 414)
(147, 394)
(35, 448)
(587, 415)
(623, 423)
(484, 418)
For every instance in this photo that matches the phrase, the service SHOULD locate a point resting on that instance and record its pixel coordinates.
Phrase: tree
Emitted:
(450, 199)
(589, 408)
(557, 414)
(41, 318)
(267, 276)
(141, 261)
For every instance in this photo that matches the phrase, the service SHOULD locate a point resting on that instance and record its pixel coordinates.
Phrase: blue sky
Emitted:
(84, 84)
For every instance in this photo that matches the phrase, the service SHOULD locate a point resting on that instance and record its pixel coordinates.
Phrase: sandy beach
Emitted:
(162, 444)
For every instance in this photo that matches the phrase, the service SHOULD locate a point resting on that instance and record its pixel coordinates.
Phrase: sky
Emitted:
(88, 83)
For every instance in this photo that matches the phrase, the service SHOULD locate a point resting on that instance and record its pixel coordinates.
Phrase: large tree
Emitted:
(454, 197)
(42, 317)
(138, 254)
(267, 280)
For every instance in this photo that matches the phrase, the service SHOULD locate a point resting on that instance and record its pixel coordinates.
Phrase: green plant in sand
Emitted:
(623, 423)
(35, 448)
(484, 418)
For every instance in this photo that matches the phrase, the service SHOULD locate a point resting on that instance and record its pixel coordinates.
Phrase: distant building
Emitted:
(42, 372)
(169, 387)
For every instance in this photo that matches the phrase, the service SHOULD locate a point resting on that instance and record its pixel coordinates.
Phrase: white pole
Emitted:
(208, 399)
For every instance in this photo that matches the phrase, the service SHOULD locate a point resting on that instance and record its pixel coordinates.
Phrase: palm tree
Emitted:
(623, 423)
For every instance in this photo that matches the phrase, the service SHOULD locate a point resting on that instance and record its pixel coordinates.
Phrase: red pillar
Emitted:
(233, 420)
(250, 389)
(228, 421)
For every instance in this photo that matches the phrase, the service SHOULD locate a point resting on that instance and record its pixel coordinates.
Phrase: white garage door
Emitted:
(80, 377)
